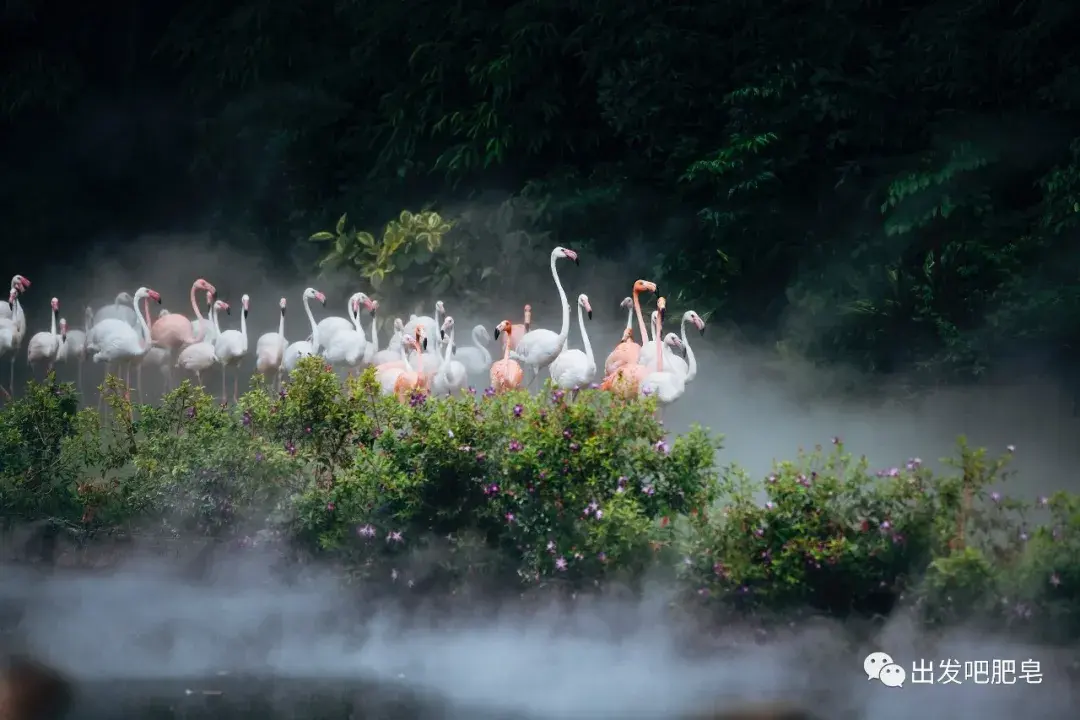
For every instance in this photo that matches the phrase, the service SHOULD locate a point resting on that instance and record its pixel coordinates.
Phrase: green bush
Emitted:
(544, 490)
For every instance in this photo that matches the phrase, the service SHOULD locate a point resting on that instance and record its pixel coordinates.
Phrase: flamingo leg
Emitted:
(224, 395)
(11, 384)
(236, 387)
(78, 377)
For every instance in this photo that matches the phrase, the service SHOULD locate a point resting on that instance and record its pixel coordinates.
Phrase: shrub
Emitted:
(549, 489)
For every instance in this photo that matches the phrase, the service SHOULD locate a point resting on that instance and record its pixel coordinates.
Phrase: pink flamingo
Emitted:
(506, 374)
(627, 352)
(173, 332)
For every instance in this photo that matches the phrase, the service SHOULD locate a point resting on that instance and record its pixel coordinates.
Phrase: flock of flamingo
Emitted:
(421, 357)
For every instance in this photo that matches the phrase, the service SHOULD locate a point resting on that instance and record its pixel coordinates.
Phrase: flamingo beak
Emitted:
(442, 334)
(228, 310)
(496, 333)
(702, 330)
(453, 349)
(424, 344)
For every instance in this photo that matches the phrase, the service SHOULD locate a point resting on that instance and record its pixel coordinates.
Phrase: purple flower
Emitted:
(491, 489)
(515, 446)
(307, 430)
(471, 390)
(283, 393)
(480, 457)
(601, 556)
(620, 484)
(394, 536)
(591, 508)
(1010, 448)
(661, 447)
(760, 532)
(649, 490)
(1023, 536)
(1044, 501)
(914, 463)
(489, 392)
(290, 448)
(517, 410)
(509, 517)
(258, 457)
(567, 434)
(330, 507)
(191, 412)
(836, 440)
(560, 563)
(551, 546)
(416, 399)
(574, 447)
(557, 395)
(995, 496)
(594, 386)
(366, 531)
(885, 524)
(245, 419)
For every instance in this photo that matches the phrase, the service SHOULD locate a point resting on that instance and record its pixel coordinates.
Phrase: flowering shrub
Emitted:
(543, 489)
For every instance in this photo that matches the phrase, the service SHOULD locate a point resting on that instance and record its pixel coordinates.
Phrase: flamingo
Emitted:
(628, 304)
(628, 351)
(665, 385)
(520, 330)
(538, 348)
(673, 360)
(331, 326)
(45, 346)
(476, 359)
(392, 351)
(174, 331)
(200, 356)
(574, 369)
(120, 343)
(410, 381)
(231, 347)
(18, 323)
(347, 346)
(211, 333)
(451, 375)
(119, 309)
(506, 374)
(19, 284)
(270, 349)
(417, 347)
(687, 367)
(648, 347)
(431, 325)
(386, 374)
(7, 332)
(74, 347)
(372, 346)
(303, 348)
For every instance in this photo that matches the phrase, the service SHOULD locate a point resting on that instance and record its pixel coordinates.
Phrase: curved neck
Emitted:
(585, 336)
(659, 345)
(565, 331)
(311, 319)
(355, 317)
(88, 320)
(144, 343)
(281, 324)
(198, 313)
(506, 347)
(405, 356)
(444, 367)
(374, 335)
(640, 317)
(477, 335)
(243, 324)
(52, 321)
(630, 318)
(691, 361)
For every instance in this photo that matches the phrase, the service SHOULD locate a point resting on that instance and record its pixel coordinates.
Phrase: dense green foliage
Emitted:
(537, 491)
(847, 174)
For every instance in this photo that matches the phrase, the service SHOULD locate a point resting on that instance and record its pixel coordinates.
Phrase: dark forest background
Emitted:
(895, 186)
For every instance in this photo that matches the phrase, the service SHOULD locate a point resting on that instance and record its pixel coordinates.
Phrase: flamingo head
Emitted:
(209, 300)
(361, 299)
(528, 317)
(447, 326)
(313, 294)
(373, 306)
(641, 286)
(696, 320)
(220, 305)
(504, 327)
(421, 337)
(583, 301)
(627, 335)
(124, 298)
(201, 284)
(439, 307)
(63, 329)
(55, 305)
(661, 307)
(399, 325)
(20, 283)
(147, 292)
(561, 252)
(673, 341)
(281, 305)
(245, 302)
(627, 303)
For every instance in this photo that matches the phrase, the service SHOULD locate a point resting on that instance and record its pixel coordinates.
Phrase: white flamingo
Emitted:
(198, 357)
(330, 326)
(346, 347)
(7, 333)
(45, 346)
(118, 342)
(452, 375)
(231, 347)
(19, 284)
(74, 347)
(574, 369)
(392, 351)
(18, 323)
(304, 348)
(270, 349)
(212, 330)
(431, 326)
(476, 358)
(666, 386)
(687, 367)
(537, 349)
(120, 309)
(372, 347)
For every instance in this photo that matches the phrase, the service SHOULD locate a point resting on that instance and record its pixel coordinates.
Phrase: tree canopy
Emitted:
(893, 186)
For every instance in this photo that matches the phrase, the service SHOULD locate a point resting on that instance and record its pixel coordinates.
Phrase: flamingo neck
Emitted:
(585, 336)
(659, 345)
(311, 319)
(52, 321)
(476, 336)
(564, 332)
(640, 317)
(281, 325)
(691, 361)
(144, 342)
(243, 326)
(630, 318)
(374, 335)
(198, 313)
